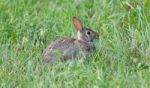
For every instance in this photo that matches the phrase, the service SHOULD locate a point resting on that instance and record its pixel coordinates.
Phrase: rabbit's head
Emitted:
(84, 34)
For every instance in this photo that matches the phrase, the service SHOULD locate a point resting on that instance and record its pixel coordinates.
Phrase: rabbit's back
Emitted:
(65, 47)
(61, 43)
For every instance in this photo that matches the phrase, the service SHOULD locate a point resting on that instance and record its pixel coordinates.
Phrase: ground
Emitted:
(122, 58)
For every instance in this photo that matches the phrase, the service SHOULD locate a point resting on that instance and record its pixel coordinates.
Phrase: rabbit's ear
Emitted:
(77, 24)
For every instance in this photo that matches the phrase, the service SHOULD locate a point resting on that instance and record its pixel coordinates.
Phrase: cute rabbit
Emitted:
(70, 48)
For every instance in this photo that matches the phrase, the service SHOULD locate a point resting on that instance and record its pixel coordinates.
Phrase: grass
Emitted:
(123, 51)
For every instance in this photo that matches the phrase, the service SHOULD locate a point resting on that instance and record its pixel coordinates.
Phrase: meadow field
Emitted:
(122, 58)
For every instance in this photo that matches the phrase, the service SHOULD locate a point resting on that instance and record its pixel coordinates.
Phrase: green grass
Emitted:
(123, 51)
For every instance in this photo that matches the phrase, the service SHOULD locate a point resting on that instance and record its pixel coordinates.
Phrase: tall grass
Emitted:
(123, 50)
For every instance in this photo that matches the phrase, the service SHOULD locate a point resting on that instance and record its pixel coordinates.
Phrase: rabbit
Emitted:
(70, 48)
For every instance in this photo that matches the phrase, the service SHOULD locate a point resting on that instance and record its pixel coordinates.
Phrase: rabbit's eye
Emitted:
(88, 32)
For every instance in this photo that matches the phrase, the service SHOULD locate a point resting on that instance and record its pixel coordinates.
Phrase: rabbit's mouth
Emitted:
(93, 40)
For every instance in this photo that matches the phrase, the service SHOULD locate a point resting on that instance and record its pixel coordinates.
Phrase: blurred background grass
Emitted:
(123, 54)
